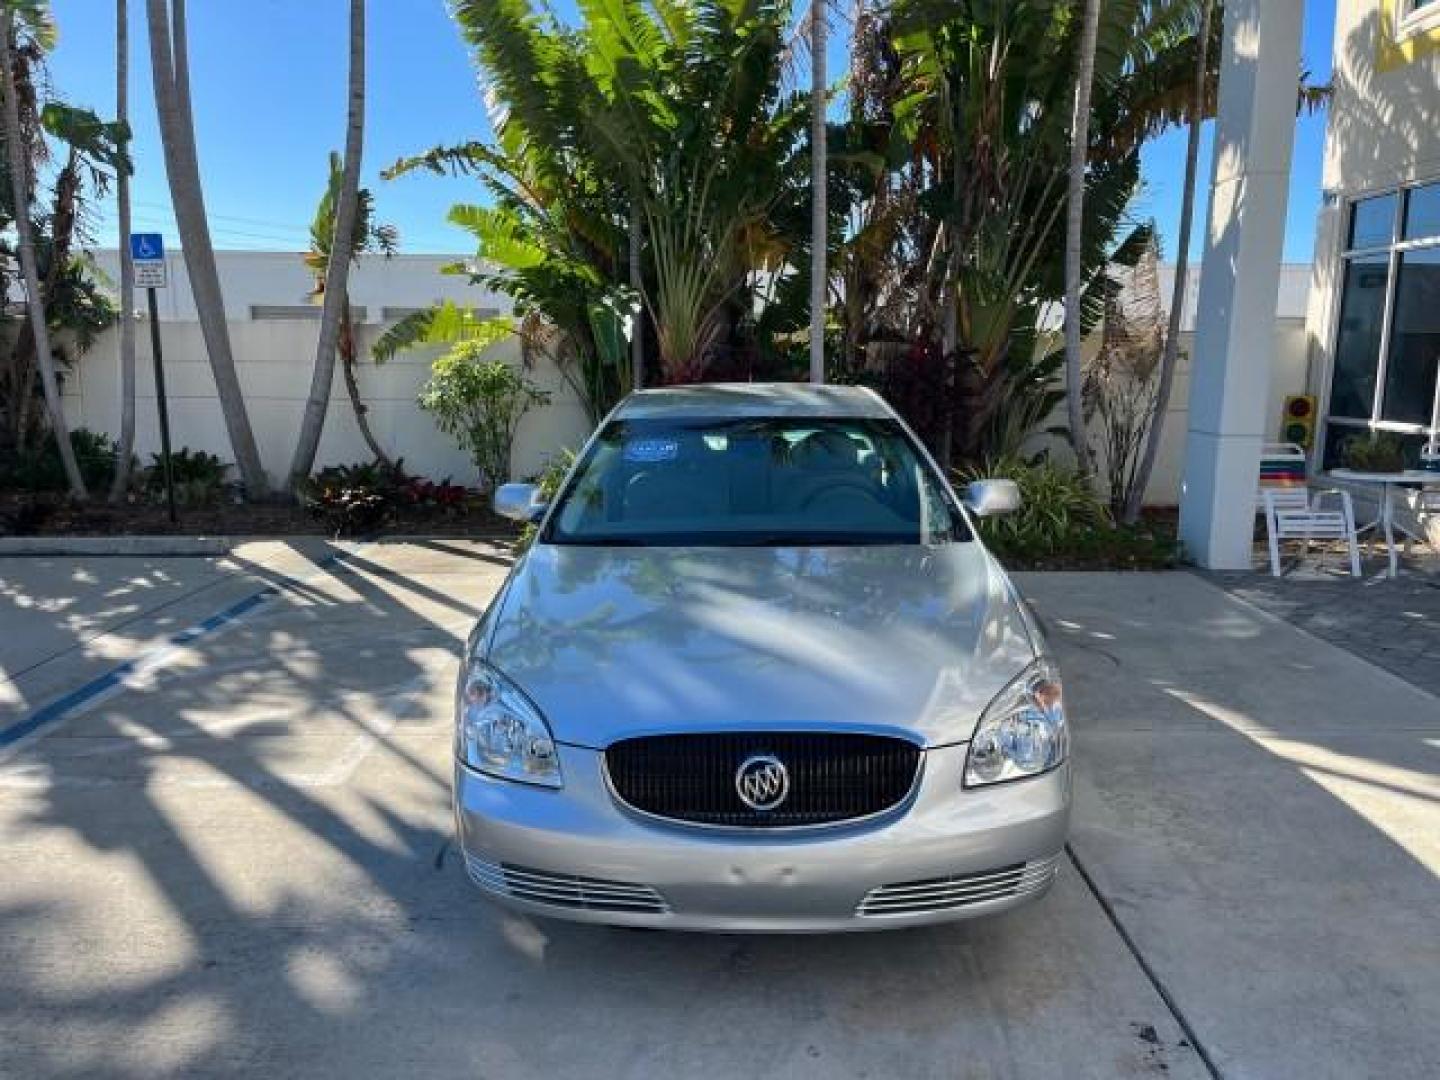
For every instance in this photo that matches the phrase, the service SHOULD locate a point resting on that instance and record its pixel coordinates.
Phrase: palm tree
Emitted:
(1170, 357)
(365, 236)
(170, 71)
(336, 296)
(819, 221)
(20, 186)
(127, 270)
(637, 286)
(672, 115)
(1075, 220)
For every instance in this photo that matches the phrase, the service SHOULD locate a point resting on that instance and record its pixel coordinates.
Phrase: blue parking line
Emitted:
(62, 707)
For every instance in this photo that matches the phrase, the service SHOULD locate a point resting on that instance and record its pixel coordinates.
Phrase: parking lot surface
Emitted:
(228, 849)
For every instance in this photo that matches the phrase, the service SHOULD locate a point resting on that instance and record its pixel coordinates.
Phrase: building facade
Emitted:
(1374, 318)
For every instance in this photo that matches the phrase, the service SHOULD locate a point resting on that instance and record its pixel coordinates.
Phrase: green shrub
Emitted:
(199, 477)
(480, 402)
(40, 469)
(1062, 523)
(1057, 506)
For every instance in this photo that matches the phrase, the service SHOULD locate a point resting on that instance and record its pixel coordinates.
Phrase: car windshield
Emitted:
(774, 482)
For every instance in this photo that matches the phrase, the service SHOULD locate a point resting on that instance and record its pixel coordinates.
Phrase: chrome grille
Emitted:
(834, 776)
(564, 890)
(961, 890)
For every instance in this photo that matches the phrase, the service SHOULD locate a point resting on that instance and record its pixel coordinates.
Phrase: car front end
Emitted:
(755, 729)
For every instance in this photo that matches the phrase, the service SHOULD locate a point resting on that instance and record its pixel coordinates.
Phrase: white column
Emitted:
(1240, 279)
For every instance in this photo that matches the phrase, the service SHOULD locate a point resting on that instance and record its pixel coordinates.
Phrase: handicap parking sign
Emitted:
(147, 253)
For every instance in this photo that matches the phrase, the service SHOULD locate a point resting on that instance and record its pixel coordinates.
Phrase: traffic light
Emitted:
(1298, 424)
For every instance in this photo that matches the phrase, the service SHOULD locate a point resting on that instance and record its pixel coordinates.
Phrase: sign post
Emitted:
(147, 256)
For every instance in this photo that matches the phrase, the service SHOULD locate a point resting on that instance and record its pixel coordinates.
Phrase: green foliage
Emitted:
(1057, 505)
(1062, 523)
(444, 324)
(71, 156)
(199, 477)
(369, 235)
(39, 469)
(548, 483)
(1379, 452)
(480, 402)
(667, 115)
(954, 164)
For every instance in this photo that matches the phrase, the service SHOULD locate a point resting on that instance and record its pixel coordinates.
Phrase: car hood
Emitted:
(616, 642)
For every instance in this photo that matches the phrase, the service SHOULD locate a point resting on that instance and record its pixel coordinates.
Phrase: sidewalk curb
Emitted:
(153, 546)
(201, 546)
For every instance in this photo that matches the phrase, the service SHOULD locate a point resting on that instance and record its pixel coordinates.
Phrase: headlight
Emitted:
(1022, 732)
(498, 732)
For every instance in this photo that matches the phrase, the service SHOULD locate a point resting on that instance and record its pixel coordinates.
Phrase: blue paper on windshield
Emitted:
(649, 451)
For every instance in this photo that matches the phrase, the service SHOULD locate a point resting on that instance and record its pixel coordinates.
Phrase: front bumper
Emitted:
(577, 853)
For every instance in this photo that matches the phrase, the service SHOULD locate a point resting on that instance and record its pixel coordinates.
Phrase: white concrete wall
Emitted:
(280, 278)
(1384, 120)
(274, 360)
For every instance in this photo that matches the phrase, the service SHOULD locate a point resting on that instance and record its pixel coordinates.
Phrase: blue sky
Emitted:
(268, 78)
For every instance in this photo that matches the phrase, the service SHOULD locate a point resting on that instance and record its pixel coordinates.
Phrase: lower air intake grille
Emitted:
(564, 890)
(830, 776)
(942, 894)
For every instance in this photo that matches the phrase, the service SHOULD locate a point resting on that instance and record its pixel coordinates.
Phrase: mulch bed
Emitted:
(25, 514)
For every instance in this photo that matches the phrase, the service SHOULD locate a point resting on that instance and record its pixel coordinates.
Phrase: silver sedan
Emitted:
(758, 673)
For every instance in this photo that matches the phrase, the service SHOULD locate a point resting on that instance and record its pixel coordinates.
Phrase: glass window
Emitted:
(754, 481)
(1372, 221)
(1422, 213)
(1357, 345)
(1414, 339)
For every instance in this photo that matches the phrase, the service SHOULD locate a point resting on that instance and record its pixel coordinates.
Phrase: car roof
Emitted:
(755, 399)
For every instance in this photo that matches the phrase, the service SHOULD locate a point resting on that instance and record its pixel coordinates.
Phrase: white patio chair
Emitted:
(1293, 513)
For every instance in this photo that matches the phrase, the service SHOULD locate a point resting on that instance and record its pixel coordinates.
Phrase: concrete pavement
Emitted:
(1263, 811)
(239, 860)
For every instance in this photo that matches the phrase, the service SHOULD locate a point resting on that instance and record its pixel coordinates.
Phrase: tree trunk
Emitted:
(35, 299)
(819, 217)
(127, 268)
(352, 388)
(1075, 220)
(342, 251)
(170, 71)
(1134, 499)
(637, 283)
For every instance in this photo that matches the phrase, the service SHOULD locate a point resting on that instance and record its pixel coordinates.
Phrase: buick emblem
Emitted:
(762, 782)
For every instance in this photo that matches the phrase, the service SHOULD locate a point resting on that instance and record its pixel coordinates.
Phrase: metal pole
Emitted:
(160, 403)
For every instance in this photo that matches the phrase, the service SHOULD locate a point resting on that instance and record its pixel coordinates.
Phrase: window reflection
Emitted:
(1372, 221)
(1422, 213)
(1414, 339)
(1357, 346)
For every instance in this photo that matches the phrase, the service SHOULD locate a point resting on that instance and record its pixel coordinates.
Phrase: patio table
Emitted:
(1388, 482)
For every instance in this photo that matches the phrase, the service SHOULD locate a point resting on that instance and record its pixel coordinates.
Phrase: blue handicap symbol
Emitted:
(147, 246)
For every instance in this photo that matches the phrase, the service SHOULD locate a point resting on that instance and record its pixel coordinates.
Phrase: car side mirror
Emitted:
(519, 502)
(986, 498)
